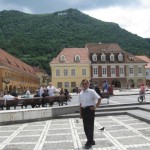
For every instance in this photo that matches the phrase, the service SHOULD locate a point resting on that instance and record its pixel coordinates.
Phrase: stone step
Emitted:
(140, 114)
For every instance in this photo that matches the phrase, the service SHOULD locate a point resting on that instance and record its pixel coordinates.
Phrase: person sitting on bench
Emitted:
(8, 97)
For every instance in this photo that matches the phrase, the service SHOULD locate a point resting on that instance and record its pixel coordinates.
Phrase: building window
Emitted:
(73, 72)
(139, 70)
(113, 71)
(112, 57)
(66, 84)
(121, 71)
(65, 72)
(94, 57)
(57, 72)
(131, 71)
(120, 57)
(73, 84)
(62, 58)
(147, 73)
(84, 72)
(59, 84)
(77, 58)
(95, 71)
(103, 57)
(104, 71)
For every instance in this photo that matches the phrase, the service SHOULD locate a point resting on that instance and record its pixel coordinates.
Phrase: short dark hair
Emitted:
(8, 92)
(84, 81)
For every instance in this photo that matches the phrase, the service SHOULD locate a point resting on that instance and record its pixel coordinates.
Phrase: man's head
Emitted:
(50, 83)
(85, 84)
(8, 92)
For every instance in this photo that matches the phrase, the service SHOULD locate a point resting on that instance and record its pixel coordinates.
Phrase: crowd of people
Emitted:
(43, 91)
(50, 90)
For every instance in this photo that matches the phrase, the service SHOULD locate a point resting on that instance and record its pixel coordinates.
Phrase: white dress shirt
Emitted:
(88, 97)
(51, 90)
(41, 91)
(8, 97)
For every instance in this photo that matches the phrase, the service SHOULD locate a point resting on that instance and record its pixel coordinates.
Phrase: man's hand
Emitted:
(92, 108)
(98, 102)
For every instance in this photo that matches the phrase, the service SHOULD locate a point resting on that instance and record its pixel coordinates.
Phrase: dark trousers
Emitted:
(88, 123)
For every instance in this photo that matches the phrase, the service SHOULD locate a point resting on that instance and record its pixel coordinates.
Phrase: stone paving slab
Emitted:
(122, 132)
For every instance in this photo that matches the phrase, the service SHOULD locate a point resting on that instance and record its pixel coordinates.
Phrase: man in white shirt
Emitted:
(41, 90)
(87, 99)
(8, 97)
(51, 89)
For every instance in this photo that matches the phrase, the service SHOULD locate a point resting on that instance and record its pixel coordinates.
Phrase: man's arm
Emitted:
(98, 102)
(80, 111)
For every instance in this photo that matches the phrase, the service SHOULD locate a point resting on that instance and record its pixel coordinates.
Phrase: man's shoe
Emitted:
(87, 146)
(87, 143)
(93, 142)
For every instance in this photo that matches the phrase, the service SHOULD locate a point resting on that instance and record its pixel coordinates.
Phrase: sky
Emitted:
(132, 15)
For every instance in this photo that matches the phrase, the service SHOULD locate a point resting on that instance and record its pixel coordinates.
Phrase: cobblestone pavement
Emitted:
(122, 132)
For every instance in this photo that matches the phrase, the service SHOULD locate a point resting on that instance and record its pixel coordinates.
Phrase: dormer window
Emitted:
(94, 57)
(130, 58)
(62, 58)
(77, 58)
(120, 57)
(103, 57)
(112, 57)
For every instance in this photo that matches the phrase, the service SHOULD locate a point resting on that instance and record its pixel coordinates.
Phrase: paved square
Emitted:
(122, 132)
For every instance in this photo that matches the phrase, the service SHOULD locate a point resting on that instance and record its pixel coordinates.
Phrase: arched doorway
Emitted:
(10, 88)
(14, 88)
(116, 83)
(131, 83)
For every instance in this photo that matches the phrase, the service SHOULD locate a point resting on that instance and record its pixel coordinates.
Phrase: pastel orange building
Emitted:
(16, 75)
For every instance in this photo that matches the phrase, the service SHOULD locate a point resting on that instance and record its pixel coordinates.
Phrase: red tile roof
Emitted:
(145, 58)
(38, 70)
(112, 47)
(12, 62)
(70, 54)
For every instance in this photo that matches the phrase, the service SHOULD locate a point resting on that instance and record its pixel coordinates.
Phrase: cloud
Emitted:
(47, 6)
(130, 18)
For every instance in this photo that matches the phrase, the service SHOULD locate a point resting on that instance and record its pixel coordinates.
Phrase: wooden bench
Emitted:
(64, 99)
(61, 99)
(34, 101)
(9, 103)
(51, 99)
(2, 104)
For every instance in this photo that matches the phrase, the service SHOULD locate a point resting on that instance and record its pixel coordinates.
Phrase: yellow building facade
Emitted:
(70, 67)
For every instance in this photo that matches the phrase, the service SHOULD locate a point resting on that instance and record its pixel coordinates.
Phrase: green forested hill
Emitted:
(36, 39)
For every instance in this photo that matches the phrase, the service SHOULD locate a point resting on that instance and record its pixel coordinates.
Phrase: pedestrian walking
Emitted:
(98, 91)
(106, 91)
(87, 99)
